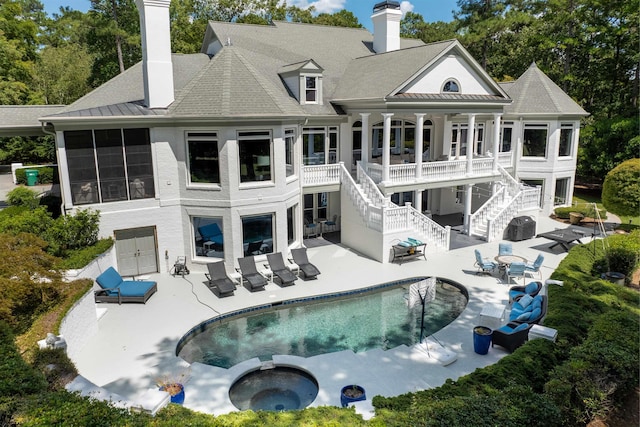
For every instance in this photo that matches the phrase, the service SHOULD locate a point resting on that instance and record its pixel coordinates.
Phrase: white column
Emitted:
(467, 208)
(496, 140)
(470, 139)
(446, 143)
(419, 145)
(386, 145)
(417, 197)
(364, 138)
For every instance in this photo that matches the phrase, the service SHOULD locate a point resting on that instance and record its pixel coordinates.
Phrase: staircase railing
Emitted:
(370, 188)
(480, 217)
(371, 215)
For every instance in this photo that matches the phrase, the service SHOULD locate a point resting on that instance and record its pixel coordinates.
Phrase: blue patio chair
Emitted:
(515, 270)
(484, 265)
(505, 249)
(534, 267)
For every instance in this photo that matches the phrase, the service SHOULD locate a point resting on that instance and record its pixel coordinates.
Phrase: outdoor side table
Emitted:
(491, 316)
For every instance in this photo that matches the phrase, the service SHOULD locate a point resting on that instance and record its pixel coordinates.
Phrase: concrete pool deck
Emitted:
(135, 344)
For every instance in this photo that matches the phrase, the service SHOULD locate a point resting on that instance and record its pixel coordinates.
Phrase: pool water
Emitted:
(377, 317)
(280, 388)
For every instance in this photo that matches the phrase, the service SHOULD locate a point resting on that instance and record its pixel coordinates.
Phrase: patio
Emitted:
(135, 344)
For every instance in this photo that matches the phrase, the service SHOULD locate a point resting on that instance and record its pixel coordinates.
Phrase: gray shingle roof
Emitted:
(272, 48)
(23, 119)
(535, 93)
(230, 86)
(123, 95)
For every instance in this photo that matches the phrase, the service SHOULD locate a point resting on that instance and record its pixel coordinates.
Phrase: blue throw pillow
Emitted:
(536, 313)
(506, 329)
(405, 244)
(415, 241)
(537, 302)
(524, 316)
(521, 327)
(531, 288)
(525, 300)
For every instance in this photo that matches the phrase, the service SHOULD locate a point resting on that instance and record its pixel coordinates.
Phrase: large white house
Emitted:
(271, 131)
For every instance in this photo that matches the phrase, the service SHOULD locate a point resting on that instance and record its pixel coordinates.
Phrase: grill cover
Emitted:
(521, 228)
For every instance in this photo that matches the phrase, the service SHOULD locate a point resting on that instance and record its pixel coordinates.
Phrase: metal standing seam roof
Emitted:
(535, 93)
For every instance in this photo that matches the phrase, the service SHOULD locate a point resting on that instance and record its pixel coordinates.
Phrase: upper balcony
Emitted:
(403, 176)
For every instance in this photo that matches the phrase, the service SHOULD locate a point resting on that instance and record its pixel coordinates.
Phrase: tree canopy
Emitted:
(621, 189)
(589, 47)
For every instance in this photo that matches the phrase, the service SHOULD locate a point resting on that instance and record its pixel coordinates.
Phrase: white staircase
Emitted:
(490, 221)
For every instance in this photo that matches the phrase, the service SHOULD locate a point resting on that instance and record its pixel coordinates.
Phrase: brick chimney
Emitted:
(156, 52)
(386, 26)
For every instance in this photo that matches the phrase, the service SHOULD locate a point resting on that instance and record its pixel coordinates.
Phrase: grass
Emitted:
(581, 197)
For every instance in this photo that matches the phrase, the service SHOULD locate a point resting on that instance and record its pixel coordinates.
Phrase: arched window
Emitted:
(451, 86)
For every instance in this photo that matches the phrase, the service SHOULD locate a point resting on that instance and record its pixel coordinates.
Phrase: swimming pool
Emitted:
(360, 320)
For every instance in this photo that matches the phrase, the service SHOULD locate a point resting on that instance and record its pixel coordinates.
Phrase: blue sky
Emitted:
(431, 10)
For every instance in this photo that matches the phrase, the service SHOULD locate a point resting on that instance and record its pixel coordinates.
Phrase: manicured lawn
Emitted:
(590, 196)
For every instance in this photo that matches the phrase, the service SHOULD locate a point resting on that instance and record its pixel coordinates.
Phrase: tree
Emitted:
(621, 189)
(55, 80)
(413, 26)
(342, 18)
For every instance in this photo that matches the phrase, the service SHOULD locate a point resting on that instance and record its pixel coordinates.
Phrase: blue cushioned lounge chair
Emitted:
(532, 288)
(535, 267)
(511, 335)
(115, 289)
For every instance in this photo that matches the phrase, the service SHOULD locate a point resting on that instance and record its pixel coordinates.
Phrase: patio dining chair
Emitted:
(505, 249)
(484, 265)
(515, 270)
(534, 268)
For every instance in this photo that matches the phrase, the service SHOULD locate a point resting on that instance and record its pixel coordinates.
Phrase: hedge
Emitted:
(46, 175)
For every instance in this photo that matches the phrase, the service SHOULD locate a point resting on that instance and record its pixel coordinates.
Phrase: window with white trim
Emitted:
(320, 145)
(289, 143)
(202, 148)
(506, 139)
(451, 86)
(311, 88)
(535, 140)
(566, 140)
(254, 149)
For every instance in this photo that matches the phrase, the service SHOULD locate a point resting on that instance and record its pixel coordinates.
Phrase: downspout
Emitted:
(55, 139)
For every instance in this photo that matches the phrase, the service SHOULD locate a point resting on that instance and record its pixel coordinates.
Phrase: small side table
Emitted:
(539, 331)
(491, 316)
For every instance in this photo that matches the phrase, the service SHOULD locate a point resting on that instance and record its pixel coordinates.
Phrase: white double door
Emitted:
(136, 251)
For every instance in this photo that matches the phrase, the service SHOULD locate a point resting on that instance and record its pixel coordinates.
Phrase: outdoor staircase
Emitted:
(490, 221)
(378, 213)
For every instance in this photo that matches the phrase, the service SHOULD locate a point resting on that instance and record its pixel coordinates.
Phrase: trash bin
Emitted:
(481, 339)
(32, 177)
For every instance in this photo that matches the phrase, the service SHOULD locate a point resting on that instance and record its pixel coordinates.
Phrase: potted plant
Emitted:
(351, 393)
(174, 385)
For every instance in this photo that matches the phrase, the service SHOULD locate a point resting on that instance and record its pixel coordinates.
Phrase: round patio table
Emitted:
(506, 260)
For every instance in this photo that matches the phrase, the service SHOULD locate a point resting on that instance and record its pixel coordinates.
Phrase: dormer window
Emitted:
(311, 90)
(451, 86)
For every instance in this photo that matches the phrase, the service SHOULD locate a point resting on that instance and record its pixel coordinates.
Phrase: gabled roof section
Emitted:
(230, 86)
(535, 93)
(370, 77)
(301, 66)
(271, 49)
(123, 95)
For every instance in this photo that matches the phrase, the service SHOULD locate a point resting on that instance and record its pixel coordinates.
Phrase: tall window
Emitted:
(535, 140)
(561, 195)
(204, 164)
(459, 140)
(255, 156)
(356, 141)
(507, 137)
(320, 145)
(257, 234)
(566, 139)
(291, 224)
(402, 142)
(209, 238)
(108, 165)
(315, 206)
(289, 143)
(311, 90)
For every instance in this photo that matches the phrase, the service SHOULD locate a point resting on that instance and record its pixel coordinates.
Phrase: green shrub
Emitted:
(23, 196)
(601, 371)
(79, 258)
(621, 188)
(46, 175)
(70, 232)
(56, 367)
(16, 377)
(587, 210)
(622, 255)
